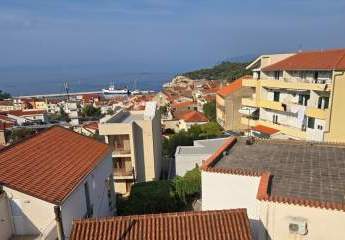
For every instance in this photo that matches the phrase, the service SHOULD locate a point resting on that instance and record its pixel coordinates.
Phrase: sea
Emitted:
(29, 81)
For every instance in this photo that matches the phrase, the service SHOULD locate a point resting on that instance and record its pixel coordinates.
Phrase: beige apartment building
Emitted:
(300, 94)
(135, 138)
(228, 104)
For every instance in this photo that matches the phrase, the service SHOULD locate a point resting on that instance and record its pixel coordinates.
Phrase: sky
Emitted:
(161, 35)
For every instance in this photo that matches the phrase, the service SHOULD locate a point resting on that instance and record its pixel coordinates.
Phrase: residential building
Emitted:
(22, 117)
(291, 189)
(50, 179)
(190, 118)
(188, 157)
(228, 105)
(301, 95)
(6, 105)
(210, 225)
(135, 138)
(178, 107)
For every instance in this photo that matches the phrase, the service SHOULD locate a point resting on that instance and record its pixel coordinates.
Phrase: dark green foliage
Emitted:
(223, 71)
(186, 138)
(110, 111)
(209, 110)
(188, 187)
(4, 95)
(61, 116)
(18, 134)
(162, 196)
(91, 111)
(163, 110)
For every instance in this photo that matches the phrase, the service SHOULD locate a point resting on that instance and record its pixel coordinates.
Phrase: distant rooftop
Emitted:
(201, 147)
(298, 170)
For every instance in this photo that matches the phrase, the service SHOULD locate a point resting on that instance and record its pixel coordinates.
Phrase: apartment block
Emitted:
(135, 138)
(299, 94)
(228, 104)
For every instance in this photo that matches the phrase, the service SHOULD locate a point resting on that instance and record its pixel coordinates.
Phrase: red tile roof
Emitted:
(91, 125)
(333, 59)
(232, 87)
(25, 113)
(183, 104)
(5, 125)
(51, 164)
(230, 224)
(194, 116)
(265, 130)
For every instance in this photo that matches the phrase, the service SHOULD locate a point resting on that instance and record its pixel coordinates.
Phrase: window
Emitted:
(89, 207)
(303, 75)
(319, 127)
(303, 99)
(311, 122)
(316, 76)
(276, 96)
(275, 118)
(277, 75)
(323, 103)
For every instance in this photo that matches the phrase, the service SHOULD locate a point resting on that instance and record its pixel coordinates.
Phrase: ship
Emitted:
(112, 90)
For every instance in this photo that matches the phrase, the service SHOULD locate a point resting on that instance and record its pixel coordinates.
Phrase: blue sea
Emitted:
(29, 81)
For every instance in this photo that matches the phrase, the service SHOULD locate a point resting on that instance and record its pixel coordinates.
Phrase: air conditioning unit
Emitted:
(298, 226)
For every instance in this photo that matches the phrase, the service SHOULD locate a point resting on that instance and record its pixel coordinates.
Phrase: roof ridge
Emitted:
(343, 57)
(168, 214)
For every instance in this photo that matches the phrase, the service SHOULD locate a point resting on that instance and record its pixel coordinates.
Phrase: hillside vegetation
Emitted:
(223, 71)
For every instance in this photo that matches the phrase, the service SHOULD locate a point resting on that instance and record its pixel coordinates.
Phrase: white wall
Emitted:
(74, 206)
(36, 216)
(322, 224)
(226, 191)
(186, 162)
(5, 218)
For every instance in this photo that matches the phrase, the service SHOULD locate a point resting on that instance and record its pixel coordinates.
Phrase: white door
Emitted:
(17, 217)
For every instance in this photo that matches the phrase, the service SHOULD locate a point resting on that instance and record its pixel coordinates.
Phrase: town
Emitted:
(260, 156)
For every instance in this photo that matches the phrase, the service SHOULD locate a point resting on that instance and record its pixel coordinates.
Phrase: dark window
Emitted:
(275, 118)
(311, 123)
(326, 102)
(259, 75)
(303, 99)
(319, 103)
(89, 207)
(276, 96)
(316, 76)
(323, 103)
(277, 75)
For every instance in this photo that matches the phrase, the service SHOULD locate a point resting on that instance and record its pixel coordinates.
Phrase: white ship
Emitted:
(111, 90)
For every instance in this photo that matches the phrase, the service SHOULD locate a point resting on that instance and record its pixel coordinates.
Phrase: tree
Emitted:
(18, 134)
(4, 95)
(110, 112)
(210, 130)
(91, 111)
(209, 109)
(163, 110)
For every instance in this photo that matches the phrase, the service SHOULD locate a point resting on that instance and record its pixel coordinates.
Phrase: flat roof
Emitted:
(201, 147)
(300, 170)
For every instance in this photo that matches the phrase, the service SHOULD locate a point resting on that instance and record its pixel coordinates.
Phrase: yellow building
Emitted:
(228, 104)
(135, 138)
(299, 94)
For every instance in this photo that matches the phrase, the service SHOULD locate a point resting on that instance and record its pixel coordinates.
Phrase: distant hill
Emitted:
(224, 71)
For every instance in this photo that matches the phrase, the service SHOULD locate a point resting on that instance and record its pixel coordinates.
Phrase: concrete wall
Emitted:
(74, 206)
(5, 218)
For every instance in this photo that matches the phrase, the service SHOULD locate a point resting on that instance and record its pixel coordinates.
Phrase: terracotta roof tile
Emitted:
(333, 59)
(194, 116)
(265, 130)
(212, 225)
(25, 113)
(232, 87)
(51, 164)
(183, 104)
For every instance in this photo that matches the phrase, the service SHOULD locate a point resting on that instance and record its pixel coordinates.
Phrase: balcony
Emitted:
(316, 113)
(285, 129)
(120, 144)
(123, 172)
(250, 82)
(286, 84)
(278, 106)
(249, 121)
(250, 102)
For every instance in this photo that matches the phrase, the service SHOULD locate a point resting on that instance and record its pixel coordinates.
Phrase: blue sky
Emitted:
(162, 35)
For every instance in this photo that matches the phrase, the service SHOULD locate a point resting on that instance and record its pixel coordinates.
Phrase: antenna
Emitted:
(300, 46)
(66, 89)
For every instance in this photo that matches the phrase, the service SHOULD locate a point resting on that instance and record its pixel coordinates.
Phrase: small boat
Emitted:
(111, 90)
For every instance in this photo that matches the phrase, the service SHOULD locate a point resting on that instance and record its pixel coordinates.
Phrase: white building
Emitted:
(28, 116)
(51, 179)
(291, 189)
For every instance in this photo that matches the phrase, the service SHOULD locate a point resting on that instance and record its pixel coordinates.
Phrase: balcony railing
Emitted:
(120, 151)
(123, 172)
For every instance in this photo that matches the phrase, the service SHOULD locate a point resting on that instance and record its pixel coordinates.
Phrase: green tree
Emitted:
(18, 134)
(110, 111)
(209, 109)
(4, 95)
(210, 130)
(91, 111)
